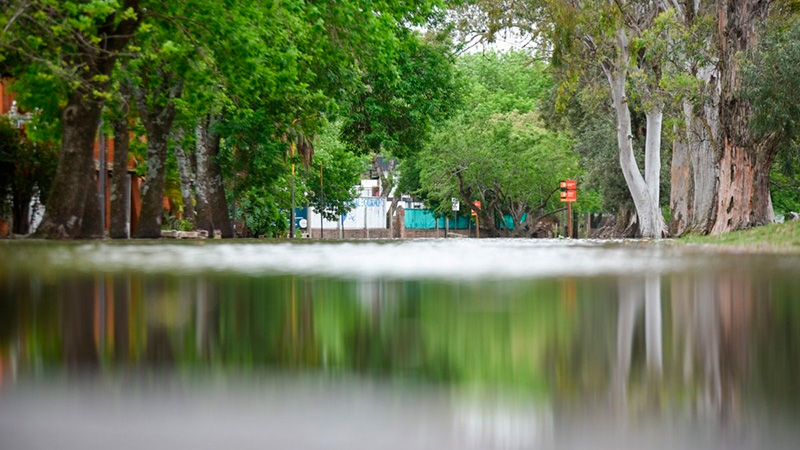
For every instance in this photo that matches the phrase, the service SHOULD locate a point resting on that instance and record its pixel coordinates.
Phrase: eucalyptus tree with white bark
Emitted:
(618, 63)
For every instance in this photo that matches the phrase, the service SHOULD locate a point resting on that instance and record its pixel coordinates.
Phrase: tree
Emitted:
(771, 83)
(119, 228)
(495, 149)
(155, 95)
(77, 42)
(692, 78)
(744, 158)
(613, 35)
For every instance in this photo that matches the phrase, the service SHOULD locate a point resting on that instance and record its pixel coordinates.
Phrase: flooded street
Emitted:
(427, 344)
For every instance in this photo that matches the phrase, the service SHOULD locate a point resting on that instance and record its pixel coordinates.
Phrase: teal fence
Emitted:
(423, 219)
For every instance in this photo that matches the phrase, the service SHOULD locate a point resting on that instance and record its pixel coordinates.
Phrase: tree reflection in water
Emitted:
(709, 348)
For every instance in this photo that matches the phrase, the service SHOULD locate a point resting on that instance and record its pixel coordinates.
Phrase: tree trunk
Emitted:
(92, 223)
(694, 166)
(157, 119)
(21, 212)
(743, 199)
(153, 191)
(704, 167)
(120, 196)
(64, 211)
(651, 221)
(652, 153)
(681, 187)
(744, 161)
(204, 217)
(216, 189)
(185, 172)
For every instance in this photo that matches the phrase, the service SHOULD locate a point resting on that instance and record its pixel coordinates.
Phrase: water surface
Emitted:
(402, 344)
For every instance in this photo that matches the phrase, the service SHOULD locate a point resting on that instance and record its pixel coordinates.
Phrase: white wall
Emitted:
(369, 209)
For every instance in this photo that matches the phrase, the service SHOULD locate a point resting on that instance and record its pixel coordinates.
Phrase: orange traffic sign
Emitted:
(477, 205)
(569, 190)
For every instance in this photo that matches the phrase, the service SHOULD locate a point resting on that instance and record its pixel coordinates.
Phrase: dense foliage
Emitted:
(230, 110)
(772, 84)
(495, 148)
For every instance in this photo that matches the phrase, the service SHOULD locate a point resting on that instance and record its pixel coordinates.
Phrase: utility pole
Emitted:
(102, 173)
(322, 202)
(291, 212)
(569, 220)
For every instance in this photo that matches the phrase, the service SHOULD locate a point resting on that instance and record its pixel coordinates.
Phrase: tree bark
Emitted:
(694, 172)
(120, 225)
(65, 205)
(153, 191)
(652, 153)
(743, 200)
(744, 161)
(186, 178)
(681, 187)
(216, 188)
(157, 120)
(704, 166)
(92, 223)
(21, 212)
(204, 218)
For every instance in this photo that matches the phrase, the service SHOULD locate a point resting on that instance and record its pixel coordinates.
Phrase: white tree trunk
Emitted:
(652, 152)
(651, 221)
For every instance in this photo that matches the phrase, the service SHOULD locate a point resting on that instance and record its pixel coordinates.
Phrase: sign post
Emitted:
(455, 206)
(477, 205)
(569, 194)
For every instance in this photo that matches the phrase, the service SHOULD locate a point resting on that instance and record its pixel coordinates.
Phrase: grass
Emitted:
(776, 236)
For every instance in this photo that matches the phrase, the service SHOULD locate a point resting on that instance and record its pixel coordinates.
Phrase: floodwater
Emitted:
(428, 344)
